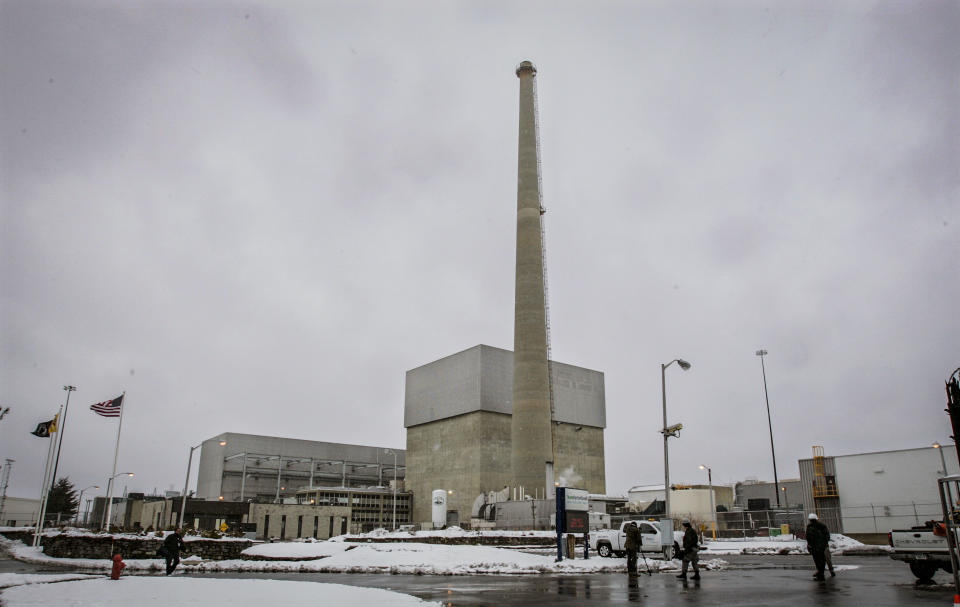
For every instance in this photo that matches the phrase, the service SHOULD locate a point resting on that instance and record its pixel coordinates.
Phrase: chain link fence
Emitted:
(759, 523)
(853, 519)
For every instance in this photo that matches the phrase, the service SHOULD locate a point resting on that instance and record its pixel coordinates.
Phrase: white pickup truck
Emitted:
(924, 549)
(610, 542)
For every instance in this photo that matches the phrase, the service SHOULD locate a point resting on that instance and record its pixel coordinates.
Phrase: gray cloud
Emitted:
(255, 218)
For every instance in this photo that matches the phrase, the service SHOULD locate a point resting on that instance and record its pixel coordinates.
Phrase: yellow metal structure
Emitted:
(821, 488)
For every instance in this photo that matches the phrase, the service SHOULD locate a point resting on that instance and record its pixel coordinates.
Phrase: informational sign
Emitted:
(577, 499)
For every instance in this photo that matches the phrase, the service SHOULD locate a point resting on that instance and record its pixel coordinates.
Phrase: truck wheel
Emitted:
(604, 550)
(923, 570)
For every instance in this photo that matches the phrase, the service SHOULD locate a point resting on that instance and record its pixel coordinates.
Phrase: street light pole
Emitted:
(394, 453)
(667, 432)
(713, 507)
(776, 482)
(107, 514)
(80, 499)
(943, 460)
(186, 482)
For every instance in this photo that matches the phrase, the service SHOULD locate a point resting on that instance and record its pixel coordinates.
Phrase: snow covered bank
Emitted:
(788, 544)
(147, 591)
(395, 558)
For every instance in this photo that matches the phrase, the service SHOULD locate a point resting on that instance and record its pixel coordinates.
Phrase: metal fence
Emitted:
(852, 519)
(881, 518)
(759, 523)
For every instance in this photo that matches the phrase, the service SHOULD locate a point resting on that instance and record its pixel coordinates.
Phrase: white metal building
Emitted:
(872, 493)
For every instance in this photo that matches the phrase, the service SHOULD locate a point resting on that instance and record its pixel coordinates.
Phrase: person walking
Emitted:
(172, 545)
(632, 545)
(690, 550)
(818, 543)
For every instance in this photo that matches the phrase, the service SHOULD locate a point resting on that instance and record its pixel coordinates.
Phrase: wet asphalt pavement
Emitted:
(747, 581)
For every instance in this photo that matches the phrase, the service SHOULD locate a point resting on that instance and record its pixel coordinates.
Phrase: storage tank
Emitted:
(439, 508)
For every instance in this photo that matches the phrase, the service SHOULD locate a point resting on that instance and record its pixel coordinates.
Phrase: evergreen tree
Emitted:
(62, 500)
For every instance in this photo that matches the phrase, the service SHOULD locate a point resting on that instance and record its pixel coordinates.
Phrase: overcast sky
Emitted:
(256, 217)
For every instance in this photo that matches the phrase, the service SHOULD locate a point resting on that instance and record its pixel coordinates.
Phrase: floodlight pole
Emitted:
(666, 432)
(776, 482)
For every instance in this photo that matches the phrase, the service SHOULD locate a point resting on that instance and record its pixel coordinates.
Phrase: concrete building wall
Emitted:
(468, 455)
(291, 521)
(19, 511)
(481, 378)
(791, 493)
(221, 468)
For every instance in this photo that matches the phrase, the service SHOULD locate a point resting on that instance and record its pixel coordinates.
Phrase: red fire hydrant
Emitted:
(118, 566)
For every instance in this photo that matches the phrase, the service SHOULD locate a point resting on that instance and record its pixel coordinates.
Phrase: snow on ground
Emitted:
(20, 579)
(396, 558)
(786, 544)
(147, 591)
(298, 550)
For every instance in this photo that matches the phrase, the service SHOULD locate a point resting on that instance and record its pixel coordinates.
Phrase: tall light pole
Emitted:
(943, 460)
(186, 482)
(713, 507)
(776, 482)
(394, 453)
(80, 499)
(668, 431)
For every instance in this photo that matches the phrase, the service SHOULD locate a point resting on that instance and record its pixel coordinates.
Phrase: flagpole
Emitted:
(45, 487)
(116, 451)
(60, 427)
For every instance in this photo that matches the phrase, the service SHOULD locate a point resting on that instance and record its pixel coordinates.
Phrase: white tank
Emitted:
(439, 508)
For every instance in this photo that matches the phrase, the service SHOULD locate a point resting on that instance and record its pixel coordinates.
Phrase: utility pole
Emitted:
(776, 482)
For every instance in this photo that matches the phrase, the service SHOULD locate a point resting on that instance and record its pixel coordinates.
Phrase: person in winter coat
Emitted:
(632, 545)
(172, 545)
(690, 547)
(118, 566)
(818, 541)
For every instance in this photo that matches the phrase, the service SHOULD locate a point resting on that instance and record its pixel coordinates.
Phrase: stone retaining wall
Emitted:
(105, 546)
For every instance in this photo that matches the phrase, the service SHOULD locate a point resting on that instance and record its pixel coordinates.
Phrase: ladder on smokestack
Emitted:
(543, 261)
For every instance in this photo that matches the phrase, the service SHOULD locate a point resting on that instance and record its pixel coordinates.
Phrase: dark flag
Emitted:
(45, 429)
(109, 408)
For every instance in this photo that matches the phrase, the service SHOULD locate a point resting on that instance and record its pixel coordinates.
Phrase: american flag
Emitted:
(109, 408)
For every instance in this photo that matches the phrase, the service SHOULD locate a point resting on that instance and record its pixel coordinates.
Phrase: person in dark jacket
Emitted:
(172, 545)
(632, 545)
(818, 540)
(690, 547)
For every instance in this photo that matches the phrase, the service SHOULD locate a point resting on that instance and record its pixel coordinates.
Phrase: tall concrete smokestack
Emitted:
(532, 445)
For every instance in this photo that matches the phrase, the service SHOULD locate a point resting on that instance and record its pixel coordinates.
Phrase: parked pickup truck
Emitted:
(609, 542)
(924, 548)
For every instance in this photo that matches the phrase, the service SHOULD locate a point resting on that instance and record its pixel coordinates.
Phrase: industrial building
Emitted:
(249, 467)
(18, 511)
(753, 494)
(458, 411)
(865, 495)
